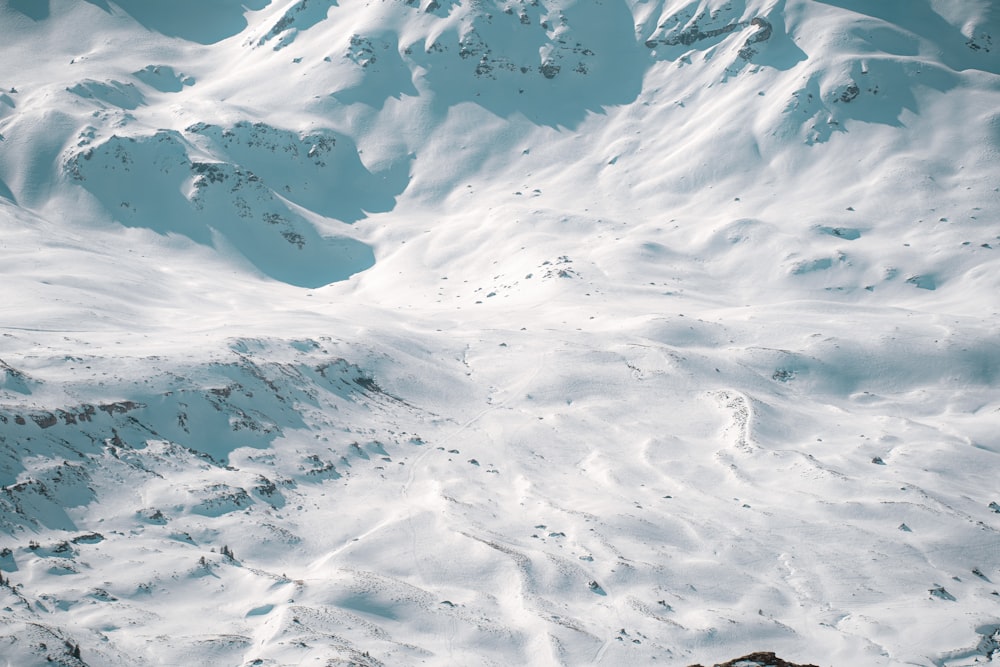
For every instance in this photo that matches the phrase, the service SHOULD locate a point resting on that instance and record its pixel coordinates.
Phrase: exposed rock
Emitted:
(693, 34)
(760, 659)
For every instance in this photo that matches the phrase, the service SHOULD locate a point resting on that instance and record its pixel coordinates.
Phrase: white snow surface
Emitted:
(499, 332)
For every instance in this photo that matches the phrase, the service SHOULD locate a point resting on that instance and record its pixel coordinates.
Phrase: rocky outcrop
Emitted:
(692, 34)
(761, 659)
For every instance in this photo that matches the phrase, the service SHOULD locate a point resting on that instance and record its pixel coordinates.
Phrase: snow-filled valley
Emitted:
(499, 332)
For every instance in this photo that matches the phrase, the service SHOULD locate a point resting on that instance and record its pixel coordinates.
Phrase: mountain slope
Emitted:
(499, 332)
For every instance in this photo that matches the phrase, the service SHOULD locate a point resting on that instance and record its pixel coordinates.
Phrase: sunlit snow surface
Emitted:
(499, 332)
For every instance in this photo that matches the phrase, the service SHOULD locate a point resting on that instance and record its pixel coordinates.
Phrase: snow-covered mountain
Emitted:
(493, 332)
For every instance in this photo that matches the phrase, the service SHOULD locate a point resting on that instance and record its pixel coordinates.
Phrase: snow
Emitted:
(499, 332)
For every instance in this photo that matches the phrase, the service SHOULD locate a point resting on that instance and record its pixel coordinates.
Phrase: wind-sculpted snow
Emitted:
(380, 74)
(289, 472)
(299, 16)
(499, 332)
(115, 93)
(551, 63)
(204, 23)
(226, 406)
(254, 202)
(163, 78)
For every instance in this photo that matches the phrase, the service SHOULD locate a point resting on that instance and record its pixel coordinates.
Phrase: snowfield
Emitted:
(499, 332)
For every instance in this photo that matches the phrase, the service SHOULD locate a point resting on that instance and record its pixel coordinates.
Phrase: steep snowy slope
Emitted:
(458, 332)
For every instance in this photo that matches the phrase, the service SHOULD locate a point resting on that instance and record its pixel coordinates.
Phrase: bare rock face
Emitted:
(761, 659)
